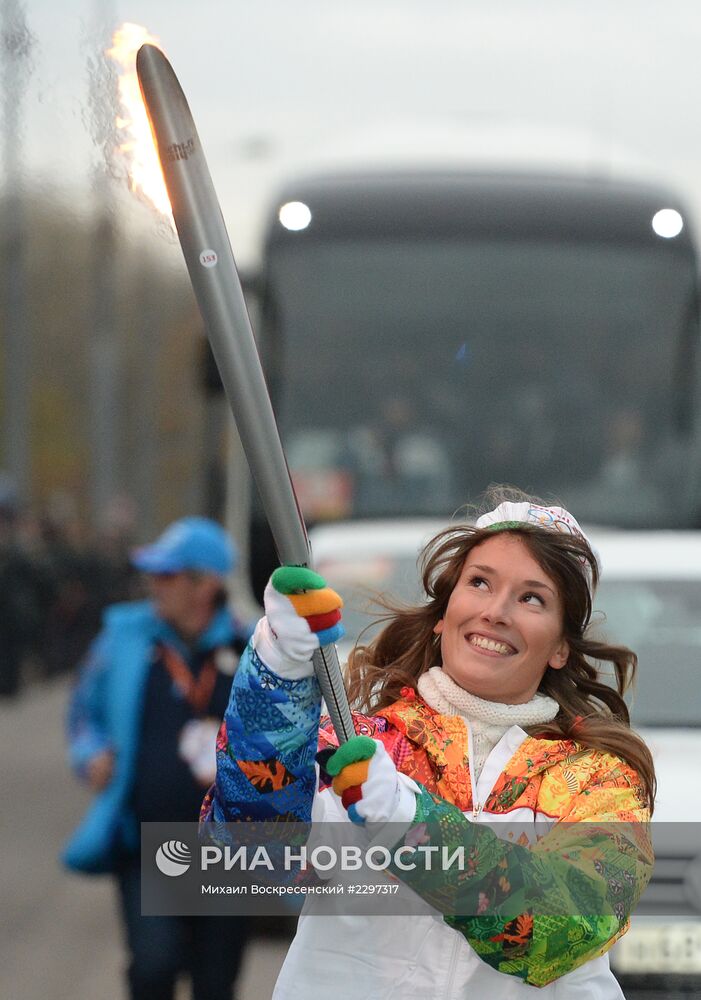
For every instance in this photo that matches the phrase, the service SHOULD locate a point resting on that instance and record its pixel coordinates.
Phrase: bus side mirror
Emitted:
(252, 285)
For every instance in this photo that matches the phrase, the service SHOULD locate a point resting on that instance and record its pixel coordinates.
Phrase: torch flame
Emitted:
(137, 144)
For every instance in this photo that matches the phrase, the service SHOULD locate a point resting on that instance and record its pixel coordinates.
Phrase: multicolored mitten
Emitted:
(301, 614)
(370, 786)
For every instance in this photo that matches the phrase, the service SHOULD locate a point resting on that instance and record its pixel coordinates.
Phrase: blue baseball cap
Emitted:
(192, 543)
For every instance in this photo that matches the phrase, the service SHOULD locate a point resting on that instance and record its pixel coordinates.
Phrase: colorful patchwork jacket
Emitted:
(542, 908)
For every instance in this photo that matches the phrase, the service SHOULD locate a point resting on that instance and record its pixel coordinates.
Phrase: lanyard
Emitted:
(197, 691)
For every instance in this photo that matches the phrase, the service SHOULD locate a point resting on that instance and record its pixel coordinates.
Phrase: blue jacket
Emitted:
(105, 712)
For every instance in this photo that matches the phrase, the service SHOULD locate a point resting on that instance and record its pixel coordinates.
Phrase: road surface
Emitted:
(59, 934)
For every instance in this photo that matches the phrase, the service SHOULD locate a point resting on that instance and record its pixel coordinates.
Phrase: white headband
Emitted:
(510, 514)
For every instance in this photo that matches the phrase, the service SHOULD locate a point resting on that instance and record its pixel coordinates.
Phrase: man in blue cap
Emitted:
(142, 729)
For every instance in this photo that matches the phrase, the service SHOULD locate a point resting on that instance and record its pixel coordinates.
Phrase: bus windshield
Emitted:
(410, 374)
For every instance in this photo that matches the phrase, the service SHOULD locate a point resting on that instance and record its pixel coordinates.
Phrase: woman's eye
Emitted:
(530, 598)
(477, 581)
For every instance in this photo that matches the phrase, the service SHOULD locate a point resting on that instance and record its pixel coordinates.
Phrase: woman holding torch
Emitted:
(478, 710)
(481, 704)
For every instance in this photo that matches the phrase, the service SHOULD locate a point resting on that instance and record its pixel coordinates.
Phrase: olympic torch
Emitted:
(215, 281)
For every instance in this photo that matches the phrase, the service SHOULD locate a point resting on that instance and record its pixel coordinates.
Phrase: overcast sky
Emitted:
(271, 82)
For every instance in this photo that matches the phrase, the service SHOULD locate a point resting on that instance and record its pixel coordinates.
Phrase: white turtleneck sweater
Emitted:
(488, 720)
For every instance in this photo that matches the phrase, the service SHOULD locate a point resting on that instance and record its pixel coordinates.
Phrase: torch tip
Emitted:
(149, 53)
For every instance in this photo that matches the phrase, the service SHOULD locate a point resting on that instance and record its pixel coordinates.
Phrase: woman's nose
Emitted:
(497, 608)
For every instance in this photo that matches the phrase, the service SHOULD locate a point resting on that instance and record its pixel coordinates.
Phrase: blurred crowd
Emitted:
(56, 577)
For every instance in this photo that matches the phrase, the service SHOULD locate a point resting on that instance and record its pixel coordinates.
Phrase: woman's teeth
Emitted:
(491, 644)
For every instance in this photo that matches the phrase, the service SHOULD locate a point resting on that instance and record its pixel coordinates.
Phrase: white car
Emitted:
(649, 599)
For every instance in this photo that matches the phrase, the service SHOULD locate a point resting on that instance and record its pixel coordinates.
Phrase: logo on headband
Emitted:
(556, 519)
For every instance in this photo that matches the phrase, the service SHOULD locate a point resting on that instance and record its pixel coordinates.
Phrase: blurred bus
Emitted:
(426, 334)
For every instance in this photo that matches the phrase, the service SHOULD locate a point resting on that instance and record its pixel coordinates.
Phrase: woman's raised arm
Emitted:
(268, 740)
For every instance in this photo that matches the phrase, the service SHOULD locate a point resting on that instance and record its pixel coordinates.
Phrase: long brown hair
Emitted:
(591, 712)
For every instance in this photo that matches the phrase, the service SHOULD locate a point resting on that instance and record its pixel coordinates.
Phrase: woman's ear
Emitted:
(560, 656)
(438, 627)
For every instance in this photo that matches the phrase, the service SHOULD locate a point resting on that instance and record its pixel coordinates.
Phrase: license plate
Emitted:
(659, 948)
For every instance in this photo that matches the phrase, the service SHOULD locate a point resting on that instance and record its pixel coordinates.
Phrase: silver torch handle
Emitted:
(215, 281)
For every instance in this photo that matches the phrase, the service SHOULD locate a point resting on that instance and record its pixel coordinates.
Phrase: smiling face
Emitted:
(503, 625)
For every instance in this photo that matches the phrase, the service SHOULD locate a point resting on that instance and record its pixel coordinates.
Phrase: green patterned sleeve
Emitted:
(533, 912)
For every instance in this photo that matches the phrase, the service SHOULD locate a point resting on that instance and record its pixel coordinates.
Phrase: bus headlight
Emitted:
(295, 215)
(667, 223)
